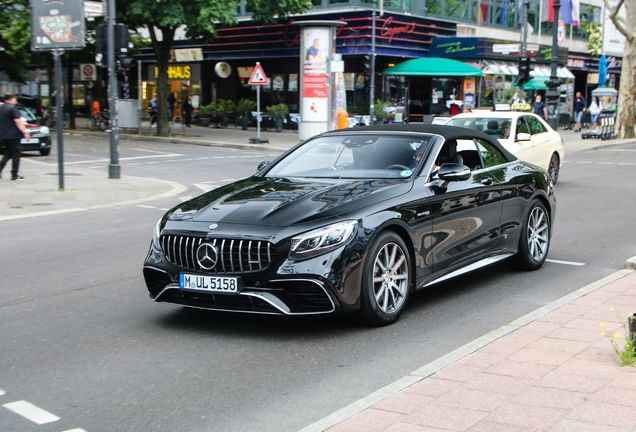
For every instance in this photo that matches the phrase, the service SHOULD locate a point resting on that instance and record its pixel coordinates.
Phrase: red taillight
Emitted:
(32, 124)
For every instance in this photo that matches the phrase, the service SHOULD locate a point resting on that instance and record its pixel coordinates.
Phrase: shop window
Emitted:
(79, 94)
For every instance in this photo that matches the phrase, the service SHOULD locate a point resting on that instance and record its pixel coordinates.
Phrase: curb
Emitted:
(631, 263)
(456, 355)
(219, 144)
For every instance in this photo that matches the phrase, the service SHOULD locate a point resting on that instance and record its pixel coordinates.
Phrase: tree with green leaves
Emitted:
(15, 38)
(199, 17)
(627, 91)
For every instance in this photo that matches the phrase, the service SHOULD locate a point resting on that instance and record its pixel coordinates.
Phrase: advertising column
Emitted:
(314, 57)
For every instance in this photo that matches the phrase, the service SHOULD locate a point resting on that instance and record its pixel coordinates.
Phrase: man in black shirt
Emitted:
(12, 129)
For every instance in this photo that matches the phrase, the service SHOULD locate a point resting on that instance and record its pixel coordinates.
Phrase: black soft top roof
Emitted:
(448, 132)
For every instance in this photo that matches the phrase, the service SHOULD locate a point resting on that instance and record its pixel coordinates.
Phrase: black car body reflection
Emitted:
(354, 221)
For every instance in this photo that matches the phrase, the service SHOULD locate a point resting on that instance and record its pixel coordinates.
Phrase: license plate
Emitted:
(29, 141)
(217, 284)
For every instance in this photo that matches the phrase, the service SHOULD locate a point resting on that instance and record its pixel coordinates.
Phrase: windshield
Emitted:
(498, 127)
(354, 156)
(26, 113)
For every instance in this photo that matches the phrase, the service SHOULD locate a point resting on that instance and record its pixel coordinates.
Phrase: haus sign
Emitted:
(184, 72)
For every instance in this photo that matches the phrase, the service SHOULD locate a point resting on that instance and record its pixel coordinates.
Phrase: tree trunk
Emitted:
(626, 92)
(162, 51)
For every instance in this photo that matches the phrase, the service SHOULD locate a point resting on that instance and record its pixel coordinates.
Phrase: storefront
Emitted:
(399, 37)
(184, 79)
(500, 68)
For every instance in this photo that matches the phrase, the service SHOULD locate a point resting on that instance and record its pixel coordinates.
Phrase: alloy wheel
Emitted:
(553, 169)
(538, 234)
(390, 278)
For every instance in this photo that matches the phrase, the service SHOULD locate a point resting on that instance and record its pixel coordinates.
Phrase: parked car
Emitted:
(40, 135)
(529, 138)
(354, 221)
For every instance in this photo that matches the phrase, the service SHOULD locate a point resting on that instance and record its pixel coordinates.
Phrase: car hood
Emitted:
(284, 202)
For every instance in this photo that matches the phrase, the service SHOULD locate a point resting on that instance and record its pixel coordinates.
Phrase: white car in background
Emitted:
(530, 138)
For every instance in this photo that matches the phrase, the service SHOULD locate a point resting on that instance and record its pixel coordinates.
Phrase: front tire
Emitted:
(46, 151)
(386, 283)
(534, 241)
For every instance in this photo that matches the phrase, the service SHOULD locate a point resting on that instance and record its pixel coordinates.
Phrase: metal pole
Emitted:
(524, 38)
(552, 95)
(258, 111)
(57, 55)
(114, 169)
(372, 82)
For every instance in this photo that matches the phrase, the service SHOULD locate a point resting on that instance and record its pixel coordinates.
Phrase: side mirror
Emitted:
(261, 166)
(524, 137)
(453, 172)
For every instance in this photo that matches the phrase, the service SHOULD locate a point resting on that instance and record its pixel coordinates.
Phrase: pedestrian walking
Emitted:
(516, 99)
(171, 101)
(152, 110)
(539, 108)
(595, 112)
(12, 129)
(186, 110)
(579, 107)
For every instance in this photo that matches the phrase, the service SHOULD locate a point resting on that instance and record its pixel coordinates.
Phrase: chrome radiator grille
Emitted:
(234, 255)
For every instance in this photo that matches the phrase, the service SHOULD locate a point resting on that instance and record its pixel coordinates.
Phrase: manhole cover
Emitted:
(66, 174)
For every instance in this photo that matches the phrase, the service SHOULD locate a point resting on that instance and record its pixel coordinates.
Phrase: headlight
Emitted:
(157, 235)
(44, 130)
(321, 240)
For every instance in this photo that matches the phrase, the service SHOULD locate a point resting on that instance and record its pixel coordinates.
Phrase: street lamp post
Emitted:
(552, 95)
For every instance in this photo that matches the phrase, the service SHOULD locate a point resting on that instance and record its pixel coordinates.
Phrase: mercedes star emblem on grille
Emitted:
(207, 256)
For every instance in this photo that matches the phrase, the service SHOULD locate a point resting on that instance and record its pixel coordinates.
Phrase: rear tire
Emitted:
(534, 242)
(553, 168)
(386, 282)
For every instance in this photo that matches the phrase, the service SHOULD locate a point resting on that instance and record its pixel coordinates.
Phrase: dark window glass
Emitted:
(522, 126)
(491, 154)
(536, 127)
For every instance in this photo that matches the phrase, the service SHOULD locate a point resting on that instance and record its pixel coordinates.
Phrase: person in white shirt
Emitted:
(595, 112)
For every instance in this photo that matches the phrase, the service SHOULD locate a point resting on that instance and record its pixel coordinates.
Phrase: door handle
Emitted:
(487, 181)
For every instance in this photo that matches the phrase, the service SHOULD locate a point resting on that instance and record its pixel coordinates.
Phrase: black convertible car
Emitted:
(354, 221)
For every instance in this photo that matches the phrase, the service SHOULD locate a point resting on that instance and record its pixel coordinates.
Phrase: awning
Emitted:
(504, 68)
(433, 66)
(536, 83)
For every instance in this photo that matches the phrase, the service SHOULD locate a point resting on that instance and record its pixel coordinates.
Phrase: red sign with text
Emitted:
(315, 86)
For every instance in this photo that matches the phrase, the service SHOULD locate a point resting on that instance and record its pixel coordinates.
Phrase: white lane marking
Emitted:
(75, 430)
(626, 163)
(123, 159)
(95, 167)
(605, 163)
(572, 263)
(164, 209)
(186, 160)
(202, 158)
(145, 206)
(2, 392)
(232, 157)
(228, 180)
(584, 162)
(154, 162)
(185, 198)
(31, 412)
(136, 163)
(169, 161)
(204, 187)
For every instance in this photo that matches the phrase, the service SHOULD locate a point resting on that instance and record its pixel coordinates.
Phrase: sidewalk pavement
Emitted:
(551, 370)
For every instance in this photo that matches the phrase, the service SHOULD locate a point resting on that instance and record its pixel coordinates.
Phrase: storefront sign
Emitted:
(469, 85)
(184, 72)
(388, 30)
(505, 48)
(188, 55)
(454, 47)
(223, 69)
(315, 48)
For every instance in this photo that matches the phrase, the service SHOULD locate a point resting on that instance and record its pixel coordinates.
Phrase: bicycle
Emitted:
(100, 121)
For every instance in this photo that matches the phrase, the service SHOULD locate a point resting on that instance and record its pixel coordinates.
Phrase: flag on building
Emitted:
(569, 11)
(547, 11)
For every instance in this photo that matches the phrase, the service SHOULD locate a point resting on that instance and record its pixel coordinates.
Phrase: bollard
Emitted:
(343, 119)
(632, 327)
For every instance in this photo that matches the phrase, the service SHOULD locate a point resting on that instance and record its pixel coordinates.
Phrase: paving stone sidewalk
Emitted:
(84, 189)
(551, 371)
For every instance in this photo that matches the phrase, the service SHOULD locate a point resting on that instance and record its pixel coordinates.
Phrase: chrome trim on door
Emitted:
(474, 266)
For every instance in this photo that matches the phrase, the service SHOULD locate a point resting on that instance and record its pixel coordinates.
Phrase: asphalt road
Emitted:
(81, 339)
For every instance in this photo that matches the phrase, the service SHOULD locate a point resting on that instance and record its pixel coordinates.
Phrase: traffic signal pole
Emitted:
(523, 51)
(114, 169)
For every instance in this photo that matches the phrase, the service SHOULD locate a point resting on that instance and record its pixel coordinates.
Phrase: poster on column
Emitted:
(316, 46)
